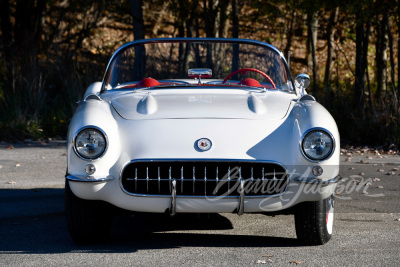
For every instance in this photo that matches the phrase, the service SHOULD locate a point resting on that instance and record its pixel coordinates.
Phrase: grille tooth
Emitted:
(194, 178)
(204, 178)
(159, 179)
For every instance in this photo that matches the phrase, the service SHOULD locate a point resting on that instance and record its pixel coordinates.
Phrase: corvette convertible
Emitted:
(201, 125)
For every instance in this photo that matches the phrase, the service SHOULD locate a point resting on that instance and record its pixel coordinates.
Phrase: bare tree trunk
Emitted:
(6, 34)
(224, 19)
(235, 34)
(211, 17)
(312, 20)
(381, 55)
(138, 22)
(398, 48)
(138, 33)
(331, 33)
(392, 66)
(235, 19)
(290, 32)
(5, 24)
(362, 39)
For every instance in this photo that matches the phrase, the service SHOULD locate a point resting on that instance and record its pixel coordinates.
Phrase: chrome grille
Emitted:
(204, 178)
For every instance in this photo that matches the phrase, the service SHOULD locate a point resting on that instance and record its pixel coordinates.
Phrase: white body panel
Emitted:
(165, 124)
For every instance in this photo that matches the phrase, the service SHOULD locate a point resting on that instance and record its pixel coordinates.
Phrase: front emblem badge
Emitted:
(204, 144)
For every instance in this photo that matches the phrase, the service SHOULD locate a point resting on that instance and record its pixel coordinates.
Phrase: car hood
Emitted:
(191, 104)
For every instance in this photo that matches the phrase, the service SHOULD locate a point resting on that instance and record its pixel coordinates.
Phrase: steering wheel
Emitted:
(243, 71)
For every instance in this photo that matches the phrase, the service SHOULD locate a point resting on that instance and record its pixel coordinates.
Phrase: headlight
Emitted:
(317, 145)
(90, 143)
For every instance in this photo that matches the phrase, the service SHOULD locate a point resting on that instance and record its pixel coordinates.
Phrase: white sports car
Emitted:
(201, 125)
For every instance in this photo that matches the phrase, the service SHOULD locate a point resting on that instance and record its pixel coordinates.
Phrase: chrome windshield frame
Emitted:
(193, 40)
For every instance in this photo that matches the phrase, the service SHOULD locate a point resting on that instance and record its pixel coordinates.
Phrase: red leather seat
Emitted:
(147, 82)
(250, 82)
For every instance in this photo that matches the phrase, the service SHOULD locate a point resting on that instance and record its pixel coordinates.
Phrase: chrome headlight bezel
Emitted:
(97, 130)
(324, 157)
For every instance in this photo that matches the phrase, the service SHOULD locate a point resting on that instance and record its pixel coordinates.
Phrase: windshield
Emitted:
(167, 63)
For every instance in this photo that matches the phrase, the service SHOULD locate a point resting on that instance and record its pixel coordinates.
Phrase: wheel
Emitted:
(88, 221)
(314, 221)
(243, 71)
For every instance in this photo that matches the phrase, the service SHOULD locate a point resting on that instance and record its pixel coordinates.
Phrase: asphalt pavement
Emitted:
(33, 229)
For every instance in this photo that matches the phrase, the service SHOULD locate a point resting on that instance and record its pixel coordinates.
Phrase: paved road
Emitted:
(33, 231)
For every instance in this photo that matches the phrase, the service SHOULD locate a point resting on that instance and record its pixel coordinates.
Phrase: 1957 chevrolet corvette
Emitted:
(201, 125)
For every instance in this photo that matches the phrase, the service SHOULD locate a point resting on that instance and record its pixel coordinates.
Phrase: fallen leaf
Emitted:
(365, 192)
(395, 169)
(362, 162)
(361, 173)
(348, 154)
(12, 182)
(370, 157)
(18, 164)
(398, 219)
(381, 170)
(376, 179)
(268, 256)
(295, 262)
(352, 168)
(10, 147)
(391, 173)
(264, 261)
(348, 159)
(380, 187)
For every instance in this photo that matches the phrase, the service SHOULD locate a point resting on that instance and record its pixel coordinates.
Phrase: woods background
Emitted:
(50, 51)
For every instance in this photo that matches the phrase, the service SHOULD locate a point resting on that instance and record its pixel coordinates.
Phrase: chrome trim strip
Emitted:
(194, 178)
(92, 96)
(159, 180)
(172, 210)
(316, 129)
(308, 180)
(205, 181)
(181, 179)
(87, 178)
(241, 196)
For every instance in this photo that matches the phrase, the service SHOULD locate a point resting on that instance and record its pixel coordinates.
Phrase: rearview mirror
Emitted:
(199, 73)
(301, 83)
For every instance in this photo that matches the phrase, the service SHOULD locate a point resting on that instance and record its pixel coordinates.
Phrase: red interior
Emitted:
(147, 82)
(250, 82)
(150, 82)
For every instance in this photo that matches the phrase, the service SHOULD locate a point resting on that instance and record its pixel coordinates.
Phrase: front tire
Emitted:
(88, 221)
(314, 221)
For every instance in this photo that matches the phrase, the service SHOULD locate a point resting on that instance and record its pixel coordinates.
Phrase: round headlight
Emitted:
(90, 143)
(317, 145)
